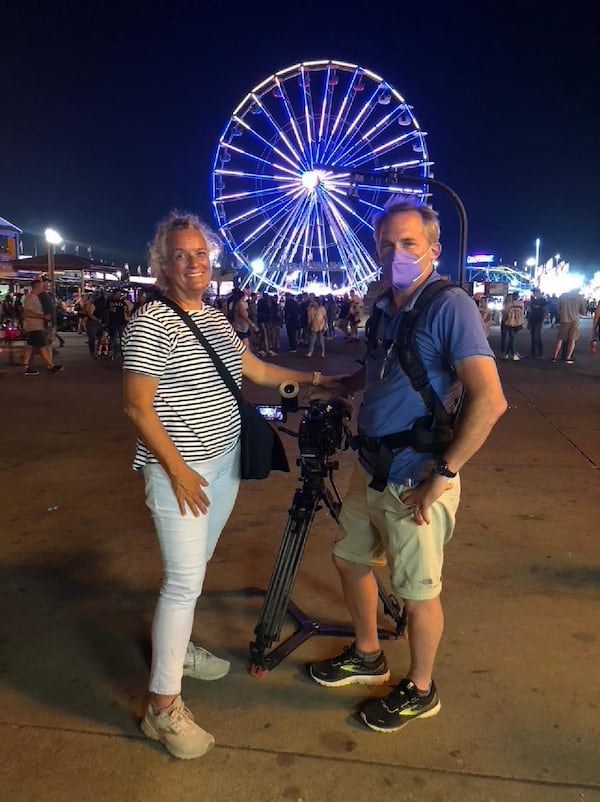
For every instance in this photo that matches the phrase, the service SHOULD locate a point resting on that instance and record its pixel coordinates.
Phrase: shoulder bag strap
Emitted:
(218, 362)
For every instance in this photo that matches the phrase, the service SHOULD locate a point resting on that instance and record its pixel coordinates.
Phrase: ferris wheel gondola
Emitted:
(285, 191)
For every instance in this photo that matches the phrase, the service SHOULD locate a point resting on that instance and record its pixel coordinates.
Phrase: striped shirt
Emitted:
(198, 412)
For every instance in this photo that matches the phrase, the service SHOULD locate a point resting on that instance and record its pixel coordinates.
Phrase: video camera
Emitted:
(321, 429)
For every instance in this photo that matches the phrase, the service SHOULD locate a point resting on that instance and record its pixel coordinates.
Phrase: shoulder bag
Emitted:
(261, 448)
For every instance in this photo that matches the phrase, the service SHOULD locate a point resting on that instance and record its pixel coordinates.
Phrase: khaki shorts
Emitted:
(568, 331)
(378, 529)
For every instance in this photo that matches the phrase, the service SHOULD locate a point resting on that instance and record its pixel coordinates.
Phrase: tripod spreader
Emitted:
(307, 500)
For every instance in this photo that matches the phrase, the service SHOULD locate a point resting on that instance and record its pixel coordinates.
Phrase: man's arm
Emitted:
(484, 403)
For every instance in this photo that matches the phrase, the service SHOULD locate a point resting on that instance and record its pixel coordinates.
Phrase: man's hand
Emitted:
(421, 497)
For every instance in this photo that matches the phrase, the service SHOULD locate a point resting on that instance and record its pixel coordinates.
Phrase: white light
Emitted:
(311, 179)
(257, 265)
(52, 236)
(530, 262)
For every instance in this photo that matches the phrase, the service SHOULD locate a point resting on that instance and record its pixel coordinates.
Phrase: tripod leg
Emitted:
(285, 569)
(392, 608)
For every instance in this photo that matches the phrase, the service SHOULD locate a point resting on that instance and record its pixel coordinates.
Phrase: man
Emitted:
(49, 307)
(34, 323)
(536, 314)
(570, 306)
(118, 316)
(263, 319)
(290, 312)
(410, 518)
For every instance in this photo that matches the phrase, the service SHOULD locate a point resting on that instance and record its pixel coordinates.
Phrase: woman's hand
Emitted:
(187, 486)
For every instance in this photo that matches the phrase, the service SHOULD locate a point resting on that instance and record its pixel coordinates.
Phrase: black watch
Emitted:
(440, 467)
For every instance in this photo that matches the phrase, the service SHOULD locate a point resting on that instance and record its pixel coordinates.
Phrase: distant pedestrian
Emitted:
(38, 336)
(513, 317)
(536, 315)
(290, 311)
(317, 324)
(571, 305)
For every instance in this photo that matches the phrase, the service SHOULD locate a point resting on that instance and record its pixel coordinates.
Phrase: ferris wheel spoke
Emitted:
(344, 109)
(353, 128)
(348, 208)
(344, 239)
(226, 148)
(281, 133)
(269, 221)
(287, 106)
(385, 147)
(268, 145)
(279, 201)
(308, 116)
(325, 117)
(365, 138)
(252, 193)
(277, 247)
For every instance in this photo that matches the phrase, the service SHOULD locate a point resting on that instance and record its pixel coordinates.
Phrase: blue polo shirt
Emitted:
(449, 330)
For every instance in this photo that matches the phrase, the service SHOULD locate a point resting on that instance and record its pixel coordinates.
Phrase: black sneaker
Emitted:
(56, 369)
(400, 707)
(31, 372)
(348, 668)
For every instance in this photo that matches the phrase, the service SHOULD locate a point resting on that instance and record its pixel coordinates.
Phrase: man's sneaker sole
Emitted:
(153, 734)
(405, 720)
(353, 679)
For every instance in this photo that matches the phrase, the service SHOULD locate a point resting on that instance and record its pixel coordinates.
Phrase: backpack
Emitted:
(514, 316)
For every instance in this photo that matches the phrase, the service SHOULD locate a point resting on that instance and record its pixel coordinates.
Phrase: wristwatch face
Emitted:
(441, 468)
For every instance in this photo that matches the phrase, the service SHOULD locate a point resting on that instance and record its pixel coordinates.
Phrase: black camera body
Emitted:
(321, 430)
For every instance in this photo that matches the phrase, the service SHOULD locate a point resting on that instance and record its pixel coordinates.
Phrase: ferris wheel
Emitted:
(289, 187)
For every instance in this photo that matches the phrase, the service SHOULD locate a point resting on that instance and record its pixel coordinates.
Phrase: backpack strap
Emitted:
(431, 433)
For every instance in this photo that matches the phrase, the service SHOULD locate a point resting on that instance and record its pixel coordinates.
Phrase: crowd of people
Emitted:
(309, 320)
(562, 313)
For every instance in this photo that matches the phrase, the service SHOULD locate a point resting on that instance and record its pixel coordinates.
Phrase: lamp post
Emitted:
(52, 238)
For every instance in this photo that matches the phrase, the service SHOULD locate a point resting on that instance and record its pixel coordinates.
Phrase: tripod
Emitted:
(307, 500)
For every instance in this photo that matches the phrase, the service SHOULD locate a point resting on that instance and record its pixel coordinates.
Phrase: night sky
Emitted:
(111, 112)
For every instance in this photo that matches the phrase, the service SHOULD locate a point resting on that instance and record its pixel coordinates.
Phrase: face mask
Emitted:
(404, 269)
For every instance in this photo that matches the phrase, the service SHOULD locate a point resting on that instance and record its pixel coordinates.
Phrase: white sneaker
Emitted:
(176, 729)
(199, 663)
(516, 358)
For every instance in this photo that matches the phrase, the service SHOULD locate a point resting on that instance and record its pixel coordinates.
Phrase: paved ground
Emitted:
(518, 669)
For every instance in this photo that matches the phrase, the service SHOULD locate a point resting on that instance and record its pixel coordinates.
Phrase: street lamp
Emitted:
(537, 253)
(52, 238)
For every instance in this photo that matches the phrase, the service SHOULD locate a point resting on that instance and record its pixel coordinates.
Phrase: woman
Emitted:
(317, 324)
(93, 325)
(513, 316)
(188, 448)
(238, 315)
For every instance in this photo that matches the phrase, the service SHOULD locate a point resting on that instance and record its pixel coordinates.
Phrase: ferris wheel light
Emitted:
(257, 265)
(311, 179)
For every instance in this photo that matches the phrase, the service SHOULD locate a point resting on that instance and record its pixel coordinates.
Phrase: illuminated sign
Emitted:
(481, 259)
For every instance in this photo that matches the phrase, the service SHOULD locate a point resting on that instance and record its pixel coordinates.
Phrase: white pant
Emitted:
(186, 545)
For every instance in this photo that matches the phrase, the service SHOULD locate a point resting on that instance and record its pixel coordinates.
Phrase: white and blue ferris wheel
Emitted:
(285, 192)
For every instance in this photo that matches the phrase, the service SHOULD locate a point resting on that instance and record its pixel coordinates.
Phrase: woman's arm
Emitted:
(138, 396)
(268, 374)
